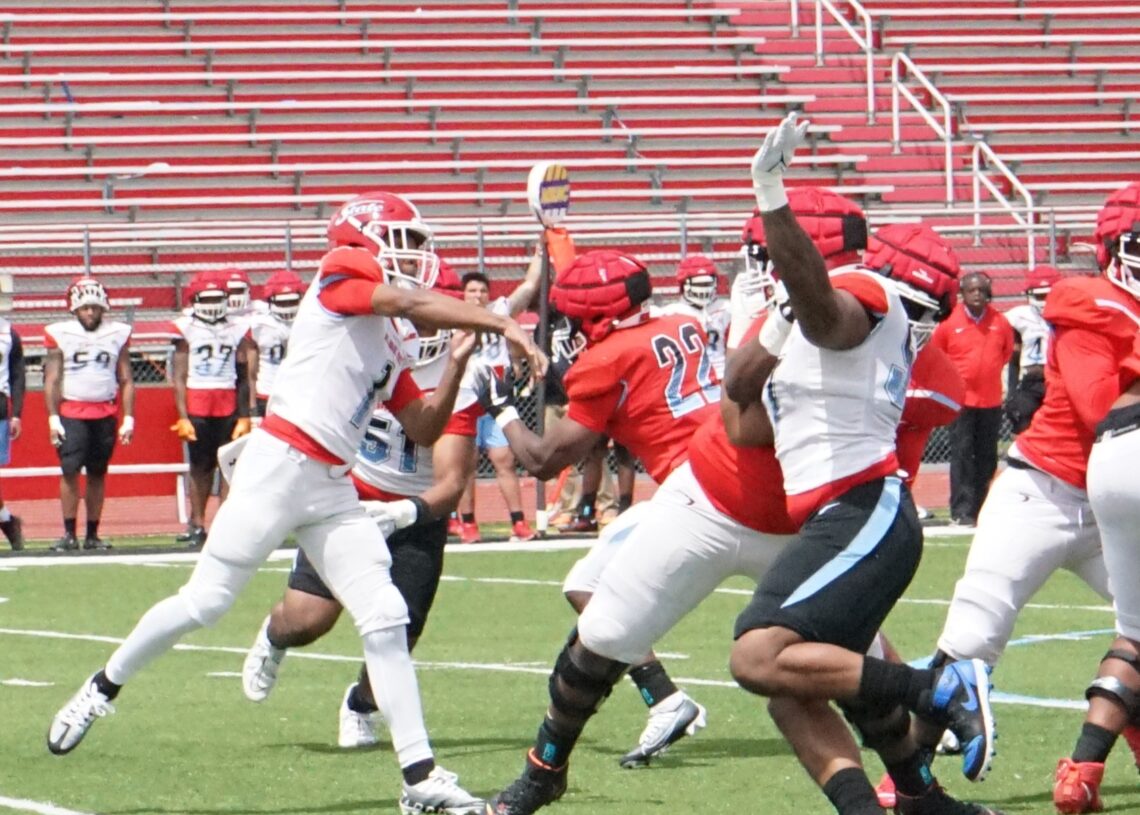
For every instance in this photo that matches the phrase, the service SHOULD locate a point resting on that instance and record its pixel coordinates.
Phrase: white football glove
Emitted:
(228, 455)
(773, 159)
(127, 429)
(747, 300)
(391, 515)
(56, 431)
(774, 333)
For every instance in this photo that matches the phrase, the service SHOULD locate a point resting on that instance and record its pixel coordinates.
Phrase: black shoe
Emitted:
(68, 543)
(935, 801)
(534, 789)
(96, 543)
(194, 537)
(13, 530)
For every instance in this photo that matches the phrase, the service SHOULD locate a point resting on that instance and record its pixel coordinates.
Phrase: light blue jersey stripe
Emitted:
(882, 516)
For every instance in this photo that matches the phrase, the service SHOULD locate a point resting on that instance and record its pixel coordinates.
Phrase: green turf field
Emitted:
(186, 742)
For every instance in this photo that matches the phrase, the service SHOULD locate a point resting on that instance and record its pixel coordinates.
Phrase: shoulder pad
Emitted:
(349, 261)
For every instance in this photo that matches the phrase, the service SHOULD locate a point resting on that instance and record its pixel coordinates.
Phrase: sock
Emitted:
(516, 517)
(1094, 743)
(554, 743)
(417, 772)
(624, 503)
(358, 699)
(397, 695)
(105, 685)
(850, 792)
(652, 682)
(586, 505)
(5, 515)
(885, 684)
(167, 622)
(912, 775)
(92, 529)
(69, 527)
(468, 517)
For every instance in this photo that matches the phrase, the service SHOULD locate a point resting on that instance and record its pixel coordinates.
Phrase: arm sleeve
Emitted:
(347, 278)
(16, 375)
(405, 392)
(1089, 372)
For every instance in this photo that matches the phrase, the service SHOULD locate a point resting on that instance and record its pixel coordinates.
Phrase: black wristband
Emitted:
(423, 515)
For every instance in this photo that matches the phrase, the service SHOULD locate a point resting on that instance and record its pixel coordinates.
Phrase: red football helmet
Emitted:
(1038, 283)
(447, 281)
(283, 292)
(86, 291)
(1118, 238)
(601, 291)
(208, 296)
(697, 277)
(389, 227)
(237, 287)
(923, 269)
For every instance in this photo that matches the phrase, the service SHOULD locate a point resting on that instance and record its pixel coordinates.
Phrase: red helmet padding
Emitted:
(835, 224)
(447, 281)
(1119, 215)
(695, 266)
(205, 281)
(283, 283)
(1042, 277)
(601, 286)
(916, 255)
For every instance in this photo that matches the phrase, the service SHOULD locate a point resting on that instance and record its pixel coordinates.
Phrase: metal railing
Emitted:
(944, 130)
(865, 42)
(981, 179)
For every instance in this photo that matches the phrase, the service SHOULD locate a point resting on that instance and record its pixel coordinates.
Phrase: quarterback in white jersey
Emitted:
(88, 361)
(1027, 368)
(834, 400)
(292, 478)
(697, 278)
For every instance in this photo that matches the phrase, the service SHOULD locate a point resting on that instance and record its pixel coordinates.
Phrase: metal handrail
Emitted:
(943, 130)
(865, 42)
(980, 179)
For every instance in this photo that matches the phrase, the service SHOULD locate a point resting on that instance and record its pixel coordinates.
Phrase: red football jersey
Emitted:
(1094, 328)
(933, 398)
(648, 387)
(745, 483)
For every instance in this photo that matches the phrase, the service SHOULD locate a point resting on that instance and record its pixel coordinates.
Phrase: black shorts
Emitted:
(846, 569)
(212, 433)
(87, 443)
(417, 564)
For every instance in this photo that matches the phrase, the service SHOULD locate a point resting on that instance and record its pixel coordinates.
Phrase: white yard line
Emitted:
(38, 807)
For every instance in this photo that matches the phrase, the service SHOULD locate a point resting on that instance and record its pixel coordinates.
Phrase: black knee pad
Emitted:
(878, 727)
(1111, 688)
(577, 691)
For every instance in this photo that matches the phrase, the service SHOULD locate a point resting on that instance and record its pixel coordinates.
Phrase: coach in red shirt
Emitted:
(979, 341)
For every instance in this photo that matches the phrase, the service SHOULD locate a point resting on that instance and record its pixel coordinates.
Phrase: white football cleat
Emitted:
(259, 671)
(671, 719)
(356, 729)
(73, 721)
(439, 793)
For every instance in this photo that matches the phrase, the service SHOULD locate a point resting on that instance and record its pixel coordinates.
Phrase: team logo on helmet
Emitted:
(1118, 238)
(390, 228)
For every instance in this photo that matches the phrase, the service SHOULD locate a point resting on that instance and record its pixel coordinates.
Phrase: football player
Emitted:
(211, 388)
(88, 363)
(346, 355)
(270, 332)
(12, 386)
(1114, 696)
(409, 487)
(1031, 348)
(697, 280)
(835, 400)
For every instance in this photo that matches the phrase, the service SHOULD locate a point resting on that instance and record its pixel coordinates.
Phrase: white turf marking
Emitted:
(224, 674)
(26, 683)
(38, 807)
(3, 599)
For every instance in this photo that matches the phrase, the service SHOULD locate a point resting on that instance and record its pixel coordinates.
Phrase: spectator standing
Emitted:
(979, 342)
(213, 406)
(88, 364)
(11, 406)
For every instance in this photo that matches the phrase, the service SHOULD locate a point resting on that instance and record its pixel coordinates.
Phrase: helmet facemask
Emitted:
(1036, 298)
(923, 312)
(87, 293)
(699, 291)
(237, 295)
(758, 278)
(1124, 270)
(284, 306)
(433, 346)
(406, 251)
(566, 340)
(210, 306)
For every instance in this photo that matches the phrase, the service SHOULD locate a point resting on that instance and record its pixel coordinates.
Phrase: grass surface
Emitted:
(186, 742)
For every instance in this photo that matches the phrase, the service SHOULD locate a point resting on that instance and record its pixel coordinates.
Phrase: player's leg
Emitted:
(72, 452)
(961, 433)
(203, 461)
(986, 435)
(101, 439)
(586, 511)
(10, 525)
(506, 473)
(626, 476)
(247, 529)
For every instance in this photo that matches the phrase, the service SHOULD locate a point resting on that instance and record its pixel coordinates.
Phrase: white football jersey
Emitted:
(1035, 332)
(714, 319)
(90, 358)
(835, 413)
(213, 351)
(5, 352)
(272, 338)
(493, 349)
(337, 370)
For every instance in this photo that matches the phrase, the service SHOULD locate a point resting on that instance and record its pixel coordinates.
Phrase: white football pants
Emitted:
(678, 552)
(1030, 525)
(1114, 493)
